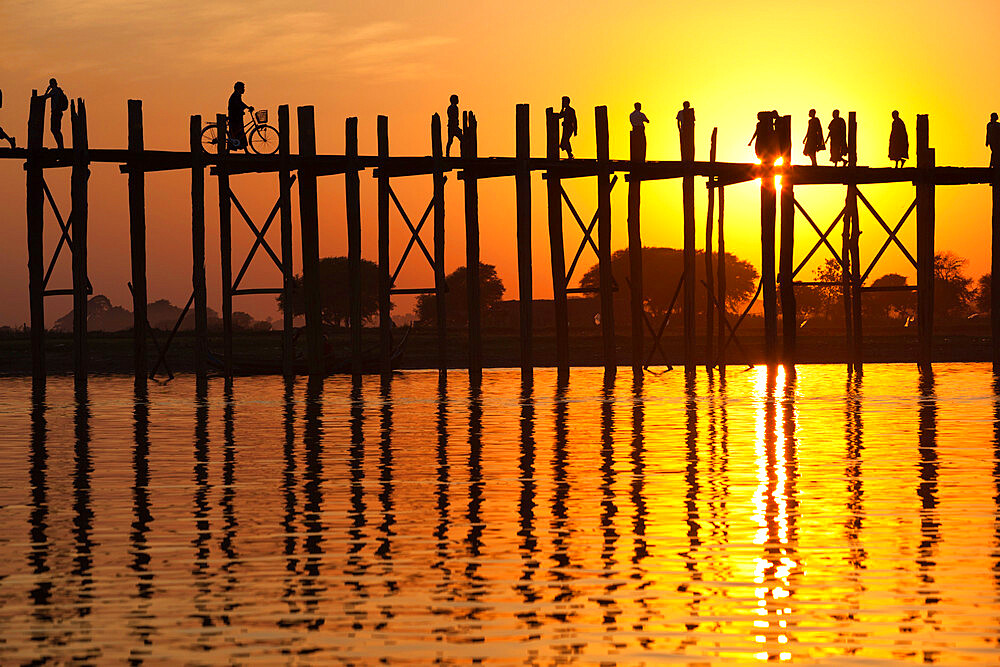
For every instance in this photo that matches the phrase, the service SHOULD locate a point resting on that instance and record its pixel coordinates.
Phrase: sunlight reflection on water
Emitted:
(805, 516)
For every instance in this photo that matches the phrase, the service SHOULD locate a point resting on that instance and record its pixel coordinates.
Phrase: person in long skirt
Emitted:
(837, 137)
(899, 143)
(814, 137)
(764, 134)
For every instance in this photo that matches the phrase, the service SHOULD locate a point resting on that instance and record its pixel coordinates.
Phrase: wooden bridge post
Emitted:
(522, 182)
(79, 215)
(35, 209)
(352, 196)
(384, 285)
(995, 270)
(721, 290)
(857, 347)
(637, 155)
(225, 246)
(287, 253)
(309, 235)
(768, 210)
(558, 257)
(470, 150)
(137, 235)
(709, 277)
(604, 241)
(198, 250)
(440, 286)
(786, 252)
(690, 253)
(925, 247)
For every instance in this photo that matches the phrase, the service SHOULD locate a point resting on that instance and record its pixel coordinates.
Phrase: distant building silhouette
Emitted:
(685, 127)
(569, 127)
(638, 135)
(837, 137)
(454, 127)
(237, 134)
(58, 103)
(814, 137)
(899, 143)
(992, 140)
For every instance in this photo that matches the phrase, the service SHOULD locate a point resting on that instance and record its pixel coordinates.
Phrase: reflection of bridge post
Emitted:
(39, 516)
(927, 490)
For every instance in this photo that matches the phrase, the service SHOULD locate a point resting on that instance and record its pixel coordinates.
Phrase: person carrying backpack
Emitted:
(59, 104)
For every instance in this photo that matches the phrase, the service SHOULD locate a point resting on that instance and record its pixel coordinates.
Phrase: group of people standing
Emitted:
(899, 141)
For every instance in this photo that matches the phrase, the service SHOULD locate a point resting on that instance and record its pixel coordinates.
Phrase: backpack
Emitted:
(59, 101)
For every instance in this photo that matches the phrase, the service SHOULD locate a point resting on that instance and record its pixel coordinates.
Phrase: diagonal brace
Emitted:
(261, 237)
(822, 238)
(586, 229)
(414, 236)
(891, 233)
(259, 234)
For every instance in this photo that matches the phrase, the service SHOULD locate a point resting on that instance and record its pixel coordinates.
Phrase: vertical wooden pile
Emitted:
(225, 246)
(557, 253)
(470, 150)
(857, 347)
(285, 220)
(198, 250)
(690, 282)
(995, 270)
(309, 235)
(925, 247)
(78, 221)
(768, 211)
(352, 190)
(637, 155)
(721, 289)
(384, 303)
(522, 183)
(137, 235)
(34, 208)
(786, 253)
(440, 287)
(604, 240)
(709, 277)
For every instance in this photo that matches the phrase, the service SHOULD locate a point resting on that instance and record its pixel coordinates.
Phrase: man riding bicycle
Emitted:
(237, 135)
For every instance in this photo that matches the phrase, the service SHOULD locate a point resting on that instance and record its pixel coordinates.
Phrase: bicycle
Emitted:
(261, 137)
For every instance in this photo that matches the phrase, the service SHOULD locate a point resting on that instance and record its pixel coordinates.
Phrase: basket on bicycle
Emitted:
(261, 115)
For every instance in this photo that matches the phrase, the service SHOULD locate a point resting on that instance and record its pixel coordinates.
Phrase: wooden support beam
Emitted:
(137, 236)
(78, 219)
(309, 235)
(384, 281)
(440, 287)
(352, 197)
(470, 150)
(604, 241)
(768, 210)
(925, 248)
(287, 253)
(522, 183)
(857, 335)
(995, 270)
(721, 290)
(709, 277)
(637, 153)
(35, 210)
(786, 253)
(225, 246)
(557, 253)
(198, 250)
(690, 252)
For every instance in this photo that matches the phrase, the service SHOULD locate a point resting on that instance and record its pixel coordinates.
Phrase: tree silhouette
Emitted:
(984, 294)
(953, 295)
(661, 271)
(456, 302)
(334, 278)
(891, 305)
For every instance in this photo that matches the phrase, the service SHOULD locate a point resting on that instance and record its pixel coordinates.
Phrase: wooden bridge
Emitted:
(306, 166)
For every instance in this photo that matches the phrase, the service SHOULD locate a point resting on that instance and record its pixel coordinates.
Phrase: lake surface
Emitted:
(812, 518)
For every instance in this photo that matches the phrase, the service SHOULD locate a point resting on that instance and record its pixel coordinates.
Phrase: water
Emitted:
(812, 519)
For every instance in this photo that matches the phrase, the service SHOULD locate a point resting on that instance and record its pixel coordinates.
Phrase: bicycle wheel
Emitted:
(264, 140)
(210, 139)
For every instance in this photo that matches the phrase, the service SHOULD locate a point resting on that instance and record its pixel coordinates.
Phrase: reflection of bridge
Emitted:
(307, 166)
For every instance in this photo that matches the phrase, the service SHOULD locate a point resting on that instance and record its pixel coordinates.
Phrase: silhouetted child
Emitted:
(58, 104)
(764, 134)
(237, 133)
(454, 128)
(568, 115)
(638, 136)
(814, 137)
(9, 139)
(899, 143)
(992, 140)
(685, 126)
(837, 137)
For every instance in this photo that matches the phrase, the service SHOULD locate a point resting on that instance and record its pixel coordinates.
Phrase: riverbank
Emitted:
(111, 353)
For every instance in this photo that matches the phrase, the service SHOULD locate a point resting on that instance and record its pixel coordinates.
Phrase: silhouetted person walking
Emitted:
(685, 126)
(237, 133)
(454, 127)
(837, 137)
(58, 104)
(568, 115)
(9, 139)
(992, 140)
(764, 134)
(638, 136)
(899, 143)
(814, 137)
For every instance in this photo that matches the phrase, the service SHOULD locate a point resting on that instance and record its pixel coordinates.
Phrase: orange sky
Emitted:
(403, 59)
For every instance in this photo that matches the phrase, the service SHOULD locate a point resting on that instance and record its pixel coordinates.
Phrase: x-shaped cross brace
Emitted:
(414, 235)
(64, 237)
(891, 232)
(586, 229)
(822, 237)
(259, 234)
